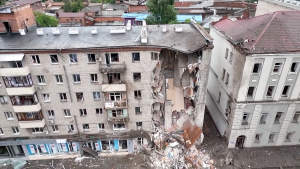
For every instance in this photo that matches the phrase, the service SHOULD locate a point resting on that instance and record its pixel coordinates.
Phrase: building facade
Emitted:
(65, 90)
(254, 77)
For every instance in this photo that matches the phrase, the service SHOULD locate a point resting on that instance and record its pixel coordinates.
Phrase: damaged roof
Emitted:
(276, 32)
(187, 41)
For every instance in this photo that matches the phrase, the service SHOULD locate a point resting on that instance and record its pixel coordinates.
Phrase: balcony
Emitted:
(115, 100)
(15, 71)
(30, 107)
(20, 91)
(116, 116)
(114, 88)
(32, 124)
(115, 104)
(120, 67)
(31, 120)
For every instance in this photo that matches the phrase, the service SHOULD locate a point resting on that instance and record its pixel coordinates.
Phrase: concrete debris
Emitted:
(79, 159)
(192, 67)
(190, 110)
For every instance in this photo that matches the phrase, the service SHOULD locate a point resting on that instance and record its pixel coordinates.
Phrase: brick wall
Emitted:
(71, 19)
(137, 8)
(109, 19)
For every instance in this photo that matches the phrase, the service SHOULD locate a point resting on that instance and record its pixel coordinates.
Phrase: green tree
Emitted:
(44, 20)
(2, 2)
(67, 6)
(77, 6)
(162, 11)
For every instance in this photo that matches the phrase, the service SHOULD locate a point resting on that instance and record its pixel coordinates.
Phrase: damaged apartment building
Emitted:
(253, 88)
(96, 89)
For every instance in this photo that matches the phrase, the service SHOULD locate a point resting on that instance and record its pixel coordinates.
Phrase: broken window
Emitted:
(116, 113)
(15, 130)
(271, 138)
(278, 117)
(76, 78)
(138, 110)
(112, 57)
(82, 112)
(223, 74)
(51, 113)
(41, 79)
(219, 98)
(139, 125)
(140, 141)
(35, 59)
(59, 79)
(96, 95)
(98, 111)
(136, 77)
(91, 58)
(67, 113)
(154, 56)
(113, 78)
(250, 92)
(54, 59)
(37, 130)
(285, 91)
(294, 67)
(70, 128)
(73, 58)
(137, 94)
(263, 118)
(94, 78)
(55, 128)
(257, 68)
(123, 144)
(119, 126)
(79, 97)
(245, 119)
(101, 126)
(135, 57)
(270, 91)
(63, 97)
(115, 96)
(296, 117)
(277, 67)
(86, 127)
(288, 137)
(257, 138)
(230, 57)
(227, 79)
(226, 54)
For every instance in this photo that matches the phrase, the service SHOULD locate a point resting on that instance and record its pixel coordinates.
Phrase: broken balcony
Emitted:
(116, 67)
(115, 100)
(28, 103)
(31, 120)
(119, 115)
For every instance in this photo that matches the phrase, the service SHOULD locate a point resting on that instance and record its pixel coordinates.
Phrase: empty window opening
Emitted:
(257, 138)
(245, 120)
(219, 97)
(139, 125)
(285, 91)
(99, 111)
(113, 78)
(35, 59)
(278, 117)
(82, 112)
(135, 57)
(79, 97)
(119, 126)
(63, 96)
(37, 130)
(86, 127)
(117, 113)
(288, 137)
(250, 92)
(294, 67)
(1, 131)
(15, 130)
(101, 126)
(270, 91)
(73, 58)
(263, 118)
(257, 68)
(296, 117)
(91, 58)
(271, 138)
(154, 56)
(137, 94)
(136, 77)
(138, 110)
(123, 144)
(70, 128)
(94, 78)
(54, 58)
(112, 58)
(76, 78)
(7, 27)
(277, 67)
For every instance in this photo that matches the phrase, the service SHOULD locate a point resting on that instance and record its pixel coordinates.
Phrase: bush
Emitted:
(44, 20)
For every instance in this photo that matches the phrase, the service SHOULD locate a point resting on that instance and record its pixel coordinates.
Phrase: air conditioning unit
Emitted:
(98, 59)
(51, 121)
(73, 31)
(22, 31)
(40, 87)
(39, 31)
(46, 132)
(55, 31)
(94, 31)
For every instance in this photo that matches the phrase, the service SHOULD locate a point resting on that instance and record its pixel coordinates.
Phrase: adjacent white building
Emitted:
(253, 89)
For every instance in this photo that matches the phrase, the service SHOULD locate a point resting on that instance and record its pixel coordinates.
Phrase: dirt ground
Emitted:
(271, 157)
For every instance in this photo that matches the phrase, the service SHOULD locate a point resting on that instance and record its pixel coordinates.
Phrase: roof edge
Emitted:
(203, 32)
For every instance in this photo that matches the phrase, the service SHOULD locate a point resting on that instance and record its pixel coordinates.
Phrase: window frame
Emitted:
(86, 127)
(134, 55)
(82, 112)
(278, 121)
(67, 113)
(253, 92)
(296, 117)
(102, 126)
(230, 57)
(139, 125)
(246, 123)
(140, 110)
(37, 130)
(297, 67)
(273, 92)
(73, 59)
(9, 115)
(79, 97)
(137, 94)
(63, 97)
(51, 59)
(226, 53)
(263, 120)
(93, 77)
(76, 78)
(223, 74)
(55, 128)
(90, 60)
(227, 79)
(273, 138)
(59, 79)
(155, 56)
(15, 130)
(99, 111)
(135, 79)
(288, 91)
(140, 140)
(46, 99)
(41, 79)
(70, 128)
(35, 58)
(1, 131)
(281, 66)
(96, 94)
(51, 114)
(259, 70)
(114, 128)
(3, 99)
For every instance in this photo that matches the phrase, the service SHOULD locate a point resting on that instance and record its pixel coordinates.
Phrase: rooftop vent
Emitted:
(178, 29)
(39, 31)
(144, 33)
(73, 31)
(22, 31)
(128, 25)
(55, 31)
(117, 29)
(94, 31)
(164, 28)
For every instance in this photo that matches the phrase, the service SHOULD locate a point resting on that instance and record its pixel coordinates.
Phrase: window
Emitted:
(55, 129)
(245, 119)
(288, 137)
(54, 59)
(154, 56)
(270, 91)
(50, 113)
(101, 126)
(73, 58)
(294, 67)
(82, 112)
(223, 75)
(59, 79)
(86, 127)
(285, 91)
(219, 98)
(3, 100)
(15, 130)
(113, 78)
(96, 95)
(140, 141)
(278, 117)
(75, 20)
(76, 78)
(137, 94)
(227, 79)
(230, 57)
(119, 126)
(35, 59)
(63, 97)
(79, 97)
(91, 58)
(271, 137)
(277, 67)
(296, 117)
(139, 125)
(257, 68)
(41, 79)
(115, 96)
(70, 128)
(250, 92)
(67, 20)
(138, 110)
(226, 54)
(136, 77)
(1, 131)
(9, 115)
(94, 78)
(135, 57)
(98, 111)
(114, 57)
(263, 118)
(67, 113)
(37, 130)
(257, 138)
(46, 97)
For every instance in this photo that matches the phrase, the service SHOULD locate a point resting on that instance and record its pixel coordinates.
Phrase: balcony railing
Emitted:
(19, 71)
(22, 81)
(30, 116)
(24, 100)
(115, 104)
(112, 67)
(117, 115)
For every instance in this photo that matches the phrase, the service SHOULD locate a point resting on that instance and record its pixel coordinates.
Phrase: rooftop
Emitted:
(22, 2)
(70, 14)
(276, 32)
(180, 18)
(91, 9)
(187, 41)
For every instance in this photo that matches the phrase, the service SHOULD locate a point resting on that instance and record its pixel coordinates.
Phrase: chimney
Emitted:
(246, 14)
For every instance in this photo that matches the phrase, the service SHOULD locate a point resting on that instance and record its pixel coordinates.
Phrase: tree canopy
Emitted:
(74, 6)
(2, 2)
(162, 11)
(104, 1)
(44, 20)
